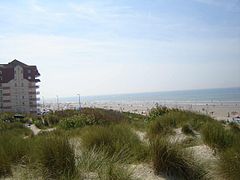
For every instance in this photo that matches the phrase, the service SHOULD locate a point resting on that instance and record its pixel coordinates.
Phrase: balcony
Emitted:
(37, 80)
(34, 99)
(34, 93)
(6, 94)
(35, 87)
(5, 87)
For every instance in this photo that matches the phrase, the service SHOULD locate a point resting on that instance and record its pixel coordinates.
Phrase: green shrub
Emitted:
(100, 115)
(187, 129)
(171, 160)
(77, 121)
(216, 136)
(113, 139)
(159, 111)
(229, 163)
(56, 157)
(51, 119)
(5, 165)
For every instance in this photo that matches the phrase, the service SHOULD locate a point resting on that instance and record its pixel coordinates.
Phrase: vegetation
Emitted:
(98, 143)
(217, 137)
(114, 139)
(56, 157)
(171, 160)
(229, 164)
(187, 129)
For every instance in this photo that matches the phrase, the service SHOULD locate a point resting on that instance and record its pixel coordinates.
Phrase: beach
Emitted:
(217, 110)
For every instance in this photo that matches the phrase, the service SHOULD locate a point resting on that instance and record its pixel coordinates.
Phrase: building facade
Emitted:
(18, 88)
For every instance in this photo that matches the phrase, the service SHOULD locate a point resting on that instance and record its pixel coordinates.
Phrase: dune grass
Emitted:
(112, 139)
(216, 136)
(156, 128)
(171, 161)
(55, 156)
(187, 129)
(229, 163)
(97, 161)
(5, 165)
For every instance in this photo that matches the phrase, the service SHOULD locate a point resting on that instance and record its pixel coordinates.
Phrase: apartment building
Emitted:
(18, 88)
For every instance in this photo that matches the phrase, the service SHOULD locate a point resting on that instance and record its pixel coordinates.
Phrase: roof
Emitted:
(14, 63)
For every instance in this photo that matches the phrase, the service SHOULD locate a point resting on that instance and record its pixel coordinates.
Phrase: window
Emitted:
(29, 77)
(23, 97)
(0, 72)
(1, 78)
(22, 84)
(29, 70)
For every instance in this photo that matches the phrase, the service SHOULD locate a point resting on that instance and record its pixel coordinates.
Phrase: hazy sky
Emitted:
(97, 47)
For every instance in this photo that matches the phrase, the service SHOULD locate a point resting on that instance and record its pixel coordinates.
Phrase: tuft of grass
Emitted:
(216, 136)
(115, 172)
(100, 163)
(235, 128)
(5, 165)
(187, 129)
(56, 157)
(156, 128)
(229, 163)
(112, 139)
(171, 160)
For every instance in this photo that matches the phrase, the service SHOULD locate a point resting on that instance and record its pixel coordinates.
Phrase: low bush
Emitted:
(100, 115)
(172, 161)
(78, 121)
(113, 139)
(56, 157)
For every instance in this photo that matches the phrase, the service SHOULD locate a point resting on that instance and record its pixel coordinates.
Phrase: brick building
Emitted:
(18, 88)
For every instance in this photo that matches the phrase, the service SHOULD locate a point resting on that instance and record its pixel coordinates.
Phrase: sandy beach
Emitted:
(217, 110)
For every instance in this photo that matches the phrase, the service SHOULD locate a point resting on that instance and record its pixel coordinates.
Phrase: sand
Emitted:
(217, 110)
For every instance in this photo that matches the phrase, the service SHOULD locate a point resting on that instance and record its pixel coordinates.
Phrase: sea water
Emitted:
(231, 95)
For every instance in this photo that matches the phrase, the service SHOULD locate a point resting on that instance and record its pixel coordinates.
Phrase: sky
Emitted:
(99, 47)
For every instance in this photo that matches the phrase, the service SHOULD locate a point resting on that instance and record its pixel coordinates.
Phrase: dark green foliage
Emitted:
(78, 121)
(172, 161)
(51, 119)
(5, 165)
(56, 157)
(187, 129)
(104, 115)
(6, 116)
(216, 136)
(159, 111)
(113, 139)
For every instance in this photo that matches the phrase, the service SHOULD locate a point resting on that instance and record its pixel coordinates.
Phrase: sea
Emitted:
(225, 95)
